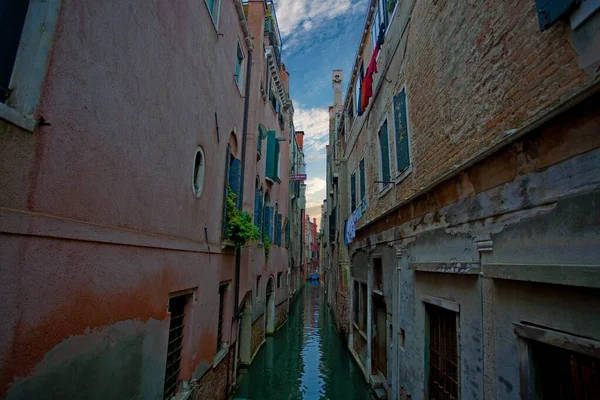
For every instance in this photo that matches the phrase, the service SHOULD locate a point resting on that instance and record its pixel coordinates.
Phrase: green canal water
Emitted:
(306, 359)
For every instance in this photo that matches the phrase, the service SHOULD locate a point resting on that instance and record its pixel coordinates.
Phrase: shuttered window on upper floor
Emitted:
(12, 19)
(361, 177)
(401, 121)
(384, 153)
(272, 167)
(353, 192)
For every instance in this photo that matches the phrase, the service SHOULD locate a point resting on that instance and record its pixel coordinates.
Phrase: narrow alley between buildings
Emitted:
(305, 359)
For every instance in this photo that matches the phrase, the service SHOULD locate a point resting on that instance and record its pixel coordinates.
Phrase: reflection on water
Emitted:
(306, 359)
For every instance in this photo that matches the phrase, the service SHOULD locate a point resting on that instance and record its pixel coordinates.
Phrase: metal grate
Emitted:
(176, 308)
(222, 290)
(565, 375)
(443, 356)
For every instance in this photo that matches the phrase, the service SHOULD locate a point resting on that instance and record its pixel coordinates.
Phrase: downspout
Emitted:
(238, 250)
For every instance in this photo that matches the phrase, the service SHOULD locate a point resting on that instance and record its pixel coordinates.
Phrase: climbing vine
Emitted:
(267, 246)
(240, 228)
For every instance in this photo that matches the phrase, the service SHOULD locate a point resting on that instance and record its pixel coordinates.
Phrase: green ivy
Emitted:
(240, 227)
(267, 245)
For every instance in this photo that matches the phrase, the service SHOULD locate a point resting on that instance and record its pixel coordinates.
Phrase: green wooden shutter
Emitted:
(361, 177)
(401, 119)
(257, 207)
(385, 152)
(353, 192)
(277, 153)
(287, 233)
(271, 167)
(224, 214)
(234, 176)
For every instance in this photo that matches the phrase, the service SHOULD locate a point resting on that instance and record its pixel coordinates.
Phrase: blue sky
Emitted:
(318, 36)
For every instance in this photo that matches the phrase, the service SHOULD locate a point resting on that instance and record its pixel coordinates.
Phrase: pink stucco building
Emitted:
(121, 128)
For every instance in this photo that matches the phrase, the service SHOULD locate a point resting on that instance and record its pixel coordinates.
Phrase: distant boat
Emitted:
(313, 277)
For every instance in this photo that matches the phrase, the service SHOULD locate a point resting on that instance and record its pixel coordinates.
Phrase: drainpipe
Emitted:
(238, 250)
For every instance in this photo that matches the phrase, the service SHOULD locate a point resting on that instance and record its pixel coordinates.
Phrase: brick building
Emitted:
(463, 187)
(122, 129)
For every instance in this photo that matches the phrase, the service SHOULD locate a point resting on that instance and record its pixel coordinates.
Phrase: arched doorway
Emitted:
(270, 307)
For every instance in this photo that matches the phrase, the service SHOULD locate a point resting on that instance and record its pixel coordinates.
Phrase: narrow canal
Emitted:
(306, 359)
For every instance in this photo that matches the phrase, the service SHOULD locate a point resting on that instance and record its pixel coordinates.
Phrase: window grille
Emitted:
(564, 374)
(443, 355)
(176, 308)
(222, 291)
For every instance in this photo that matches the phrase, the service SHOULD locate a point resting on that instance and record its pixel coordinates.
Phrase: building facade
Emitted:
(463, 181)
(123, 132)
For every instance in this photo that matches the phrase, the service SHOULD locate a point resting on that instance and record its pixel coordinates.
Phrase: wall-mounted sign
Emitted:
(298, 177)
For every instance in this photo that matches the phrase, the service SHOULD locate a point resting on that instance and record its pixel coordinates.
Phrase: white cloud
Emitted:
(315, 192)
(299, 17)
(315, 124)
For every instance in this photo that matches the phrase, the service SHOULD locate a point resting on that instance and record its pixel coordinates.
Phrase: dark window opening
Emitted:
(363, 293)
(222, 293)
(12, 19)
(355, 302)
(279, 279)
(377, 274)
(257, 285)
(176, 308)
(443, 354)
(564, 375)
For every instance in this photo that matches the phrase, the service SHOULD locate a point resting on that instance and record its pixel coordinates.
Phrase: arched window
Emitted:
(258, 203)
(198, 174)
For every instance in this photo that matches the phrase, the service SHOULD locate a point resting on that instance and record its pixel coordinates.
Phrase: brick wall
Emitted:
(258, 334)
(281, 315)
(472, 71)
(213, 385)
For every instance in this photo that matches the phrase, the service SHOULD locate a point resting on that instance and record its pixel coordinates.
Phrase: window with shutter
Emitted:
(257, 206)
(550, 11)
(353, 192)
(384, 153)
(234, 175)
(401, 119)
(361, 176)
(272, 156)
(225, 190)
(287, 234)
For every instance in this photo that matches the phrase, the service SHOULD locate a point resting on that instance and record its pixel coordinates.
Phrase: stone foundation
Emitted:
(258, 334)
(281, 314)
(213, 384)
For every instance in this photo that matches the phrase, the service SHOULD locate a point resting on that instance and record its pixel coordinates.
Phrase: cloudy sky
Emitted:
(318, 36)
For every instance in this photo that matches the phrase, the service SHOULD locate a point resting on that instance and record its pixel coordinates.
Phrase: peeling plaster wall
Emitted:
(98, 221)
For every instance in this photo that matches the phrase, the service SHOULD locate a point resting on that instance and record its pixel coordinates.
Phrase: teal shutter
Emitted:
(361, 177)
(224, 215)
(550, 11)
(257, 207)
(272, 145)
(277, 150)
(353, 192)
(385, 152)
(401, 119)
(234, 176)
(287, 234)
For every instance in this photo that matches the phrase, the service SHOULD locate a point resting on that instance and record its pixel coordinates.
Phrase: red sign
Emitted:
(299, 177)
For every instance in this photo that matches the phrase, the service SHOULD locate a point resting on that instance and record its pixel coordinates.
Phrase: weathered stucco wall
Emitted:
(98, 221)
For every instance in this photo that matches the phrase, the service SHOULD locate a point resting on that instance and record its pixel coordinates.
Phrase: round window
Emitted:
(198, 176)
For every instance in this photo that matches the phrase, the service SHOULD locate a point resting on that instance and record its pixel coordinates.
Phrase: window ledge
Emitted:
(225, 244)
(16, 118)
(186, 395)
(221, 354)
(402, 175)
(364, 335)
(383, 192)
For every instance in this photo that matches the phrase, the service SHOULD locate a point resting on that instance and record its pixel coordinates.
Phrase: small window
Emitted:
(198, 175)
(362, 183)
(377, 274)
(355, 302)
(239, 67)
(26, 30)
(279, 279)
(442, 357)
(222, 294)
(213, 8)
(353, 192)
(258, 286)
(364, 309)
(384, 155)
(175, 344)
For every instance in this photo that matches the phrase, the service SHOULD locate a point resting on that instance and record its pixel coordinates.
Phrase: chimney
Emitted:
(337, 79)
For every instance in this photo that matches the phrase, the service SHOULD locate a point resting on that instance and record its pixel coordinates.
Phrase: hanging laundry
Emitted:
(367, 86)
